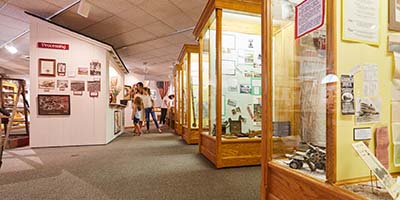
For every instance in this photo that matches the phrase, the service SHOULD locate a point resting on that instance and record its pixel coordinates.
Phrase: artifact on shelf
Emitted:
(314, 157)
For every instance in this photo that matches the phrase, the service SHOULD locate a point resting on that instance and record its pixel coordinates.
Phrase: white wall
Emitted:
(87, 123)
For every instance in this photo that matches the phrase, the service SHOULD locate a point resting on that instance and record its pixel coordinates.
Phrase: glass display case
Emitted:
(189, 57)
(229, 35)
(327, 110)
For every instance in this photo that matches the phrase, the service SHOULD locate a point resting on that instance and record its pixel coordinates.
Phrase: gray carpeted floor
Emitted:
(153, 166)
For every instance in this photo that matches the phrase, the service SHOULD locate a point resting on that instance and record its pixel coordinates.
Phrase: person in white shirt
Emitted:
(148, 109)
(164, 109)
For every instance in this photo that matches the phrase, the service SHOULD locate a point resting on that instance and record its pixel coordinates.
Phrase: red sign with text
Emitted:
(48, 45)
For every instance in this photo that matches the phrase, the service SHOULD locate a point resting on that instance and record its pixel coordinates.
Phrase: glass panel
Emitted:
(182, 94)
(206, 66)
(241, 75)
(184, 88)
(299, 94)
(212, 79)
(194, 75)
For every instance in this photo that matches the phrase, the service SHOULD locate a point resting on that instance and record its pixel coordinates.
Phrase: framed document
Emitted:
(47, 67)
(394, 15)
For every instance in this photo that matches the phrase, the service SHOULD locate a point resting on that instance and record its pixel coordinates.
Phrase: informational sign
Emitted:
(310, 15)
(48, 45)
(361, 21)
(347, 92)
(378, 169)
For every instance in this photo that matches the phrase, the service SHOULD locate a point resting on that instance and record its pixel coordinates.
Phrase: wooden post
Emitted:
(188, 94)
(200, 89)
(218, 66)
(267, 48)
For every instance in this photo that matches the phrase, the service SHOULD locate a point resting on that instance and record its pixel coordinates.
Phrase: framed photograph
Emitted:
(62, 84)
(47, 84)
(117, 122)
(47, 67)
(95, 68)
(93, 86)
(61, 69)
(127, 90)
(77, 86)
(54, 104)
(394, 15)
(71, 74)
(83, 71)
(114, 81)
(362, 134)
(245, 89)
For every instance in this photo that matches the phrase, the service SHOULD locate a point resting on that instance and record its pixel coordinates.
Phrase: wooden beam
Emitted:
(218, 66)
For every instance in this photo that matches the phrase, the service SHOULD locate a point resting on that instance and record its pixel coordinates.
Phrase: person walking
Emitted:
(148, 105)
(137, 107)
(164, 109)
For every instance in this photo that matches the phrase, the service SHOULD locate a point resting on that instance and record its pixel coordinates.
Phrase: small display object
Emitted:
(314, 157)
(47, 67)
(95, 68)
(347, 90)
(61, 69)
(54, 104)
(77, 86)
(83, 71)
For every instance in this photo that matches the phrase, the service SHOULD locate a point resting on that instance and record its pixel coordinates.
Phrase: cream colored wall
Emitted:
(349, 164)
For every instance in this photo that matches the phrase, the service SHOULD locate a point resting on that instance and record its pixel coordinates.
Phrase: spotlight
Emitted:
(11, 49)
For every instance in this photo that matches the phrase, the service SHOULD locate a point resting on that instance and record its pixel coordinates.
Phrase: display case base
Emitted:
(178, 129)
(191, 135)
(233, 152)
(284, 183)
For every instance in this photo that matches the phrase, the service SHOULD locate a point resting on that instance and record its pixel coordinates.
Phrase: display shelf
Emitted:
(189, 57)
(229, 34)
(116, 105)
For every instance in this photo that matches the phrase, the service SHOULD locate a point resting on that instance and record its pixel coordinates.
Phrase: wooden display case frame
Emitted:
(279, 182)
(224, 152)
(178, 98)
(189, 134)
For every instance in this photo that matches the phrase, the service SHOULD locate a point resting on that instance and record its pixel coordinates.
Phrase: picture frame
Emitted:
(117, 122)
(83, 71)
(95, 68)
(46, 84)
(61, 69)
(49, 104)
(127, 89)
(394, 15)
(361, 134)
(228, 67)
(77, 86)
(47, 67)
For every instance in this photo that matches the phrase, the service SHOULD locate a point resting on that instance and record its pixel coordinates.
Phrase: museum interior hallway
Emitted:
(153, 166)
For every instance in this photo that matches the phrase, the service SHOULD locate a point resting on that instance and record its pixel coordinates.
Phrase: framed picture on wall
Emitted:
(61, 69)
(117, 122)
(47, 67)
(394, 15)
(54, 104)
(127, 90)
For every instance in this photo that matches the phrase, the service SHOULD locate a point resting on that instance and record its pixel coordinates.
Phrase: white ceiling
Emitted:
(146, 33)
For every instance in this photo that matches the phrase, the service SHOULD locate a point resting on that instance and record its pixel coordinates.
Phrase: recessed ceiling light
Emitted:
(11, 49)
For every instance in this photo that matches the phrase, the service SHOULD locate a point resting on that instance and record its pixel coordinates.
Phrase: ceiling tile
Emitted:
(109, 27)
(113, 6)
(15, 12)
(74, 21)
(131, 37)
(10, 22)
(159, 8)
(137, 16)
(61, 3)
(188, 4)
(179, 21)
(158, 28)
(38, 7)
(195, 13)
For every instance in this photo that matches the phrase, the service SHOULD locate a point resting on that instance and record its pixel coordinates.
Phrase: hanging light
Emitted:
(11, 49)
